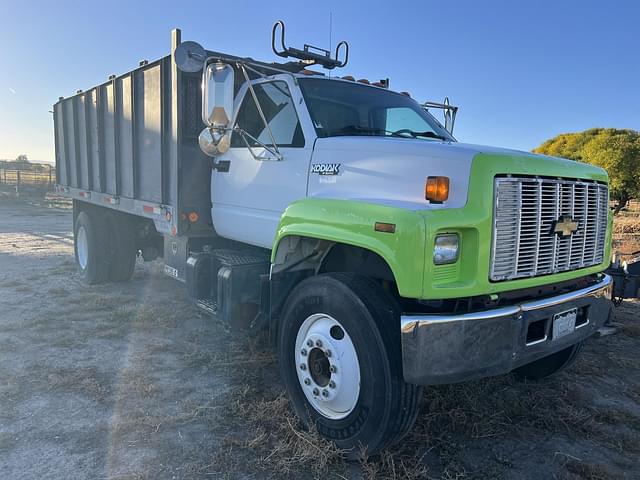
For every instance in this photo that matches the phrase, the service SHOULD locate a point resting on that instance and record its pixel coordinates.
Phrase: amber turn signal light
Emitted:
(385, 227)
(437, 189)
(193, 217)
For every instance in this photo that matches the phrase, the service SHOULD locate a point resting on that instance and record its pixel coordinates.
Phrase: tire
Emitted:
(91, 256)
(123, 248)
(383, 408)
(547, 366)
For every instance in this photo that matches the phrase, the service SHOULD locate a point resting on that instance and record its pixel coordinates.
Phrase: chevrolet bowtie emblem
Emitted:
(565, 226)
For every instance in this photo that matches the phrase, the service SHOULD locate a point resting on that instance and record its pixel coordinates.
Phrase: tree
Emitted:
(615, 150)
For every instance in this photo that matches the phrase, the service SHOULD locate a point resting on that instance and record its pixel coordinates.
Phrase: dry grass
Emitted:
(63, 268)
(484, 411)
(392, 467)
(58, 291)
(575, 470)
(88, 381)
(631, 330)
(279, 444)
(98, 301)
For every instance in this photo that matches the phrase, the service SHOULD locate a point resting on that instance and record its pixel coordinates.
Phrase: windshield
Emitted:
(341, 108)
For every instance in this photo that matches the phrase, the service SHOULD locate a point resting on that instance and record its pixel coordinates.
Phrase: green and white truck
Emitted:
(380, 253)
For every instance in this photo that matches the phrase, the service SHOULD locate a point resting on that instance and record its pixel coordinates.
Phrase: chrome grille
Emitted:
(525, 213)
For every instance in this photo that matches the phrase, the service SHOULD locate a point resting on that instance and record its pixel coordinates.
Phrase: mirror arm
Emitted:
(259, 108)
(257, 72)
(448, 109)
(244, 134)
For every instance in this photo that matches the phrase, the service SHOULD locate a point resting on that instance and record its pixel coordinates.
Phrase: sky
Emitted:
(521, 72)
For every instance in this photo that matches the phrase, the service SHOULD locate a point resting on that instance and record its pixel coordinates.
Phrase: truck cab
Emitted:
(336, 139)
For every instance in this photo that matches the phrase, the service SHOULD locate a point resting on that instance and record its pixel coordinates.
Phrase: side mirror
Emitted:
(213, 142)
(217, 95)
(449, 111)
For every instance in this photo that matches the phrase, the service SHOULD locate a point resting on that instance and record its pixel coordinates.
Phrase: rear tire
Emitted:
(123, 253)
(550, 365)
(358, 326)
(90, 252)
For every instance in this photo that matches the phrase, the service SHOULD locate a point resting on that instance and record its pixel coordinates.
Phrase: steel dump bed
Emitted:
(131, 144)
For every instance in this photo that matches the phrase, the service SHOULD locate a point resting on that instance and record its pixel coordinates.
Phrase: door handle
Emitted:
(222, 166)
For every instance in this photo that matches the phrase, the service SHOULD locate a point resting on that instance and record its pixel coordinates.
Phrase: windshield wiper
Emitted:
(402, 133)
(351, 129)
(414, 134)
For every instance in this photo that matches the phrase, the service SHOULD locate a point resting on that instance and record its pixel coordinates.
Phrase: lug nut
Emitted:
(309, 343)
(303, 352)
(328, 353)
(325, 393)
(319, 343)
(333, 369)
(307, 381)
(332, 384)
(303, 366)
(316, 392)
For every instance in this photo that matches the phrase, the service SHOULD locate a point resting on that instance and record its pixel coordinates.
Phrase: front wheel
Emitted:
(340, 356)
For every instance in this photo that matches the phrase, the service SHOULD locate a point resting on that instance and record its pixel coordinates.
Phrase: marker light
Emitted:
(437, 189)
(385, 227)
(193, 217)
(446, 248)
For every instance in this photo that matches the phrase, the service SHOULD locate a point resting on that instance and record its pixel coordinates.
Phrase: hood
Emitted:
(393, 171)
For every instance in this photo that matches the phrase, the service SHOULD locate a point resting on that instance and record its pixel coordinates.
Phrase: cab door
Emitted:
(249, 198)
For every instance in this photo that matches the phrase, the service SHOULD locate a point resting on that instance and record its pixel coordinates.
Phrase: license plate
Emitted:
(564, 323)
(172, 272)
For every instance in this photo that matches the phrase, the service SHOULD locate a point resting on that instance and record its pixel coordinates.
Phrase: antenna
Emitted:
(330, 28)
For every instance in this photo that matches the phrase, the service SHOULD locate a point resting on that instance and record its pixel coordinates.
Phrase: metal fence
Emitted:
(38, 175)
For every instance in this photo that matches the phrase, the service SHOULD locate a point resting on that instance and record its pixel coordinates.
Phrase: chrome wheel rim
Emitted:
(327, 366)
(82, 247)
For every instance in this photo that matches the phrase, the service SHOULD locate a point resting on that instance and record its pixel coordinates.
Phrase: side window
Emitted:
(278, 109)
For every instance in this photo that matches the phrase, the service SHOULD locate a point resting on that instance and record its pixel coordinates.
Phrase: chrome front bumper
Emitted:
(454, 348)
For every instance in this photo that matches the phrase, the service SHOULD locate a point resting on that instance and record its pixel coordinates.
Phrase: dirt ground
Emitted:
(129, 381)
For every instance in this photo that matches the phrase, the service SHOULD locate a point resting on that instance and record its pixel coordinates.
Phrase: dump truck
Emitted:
(380, 254)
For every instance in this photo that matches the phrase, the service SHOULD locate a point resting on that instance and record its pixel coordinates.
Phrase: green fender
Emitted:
(352, 222)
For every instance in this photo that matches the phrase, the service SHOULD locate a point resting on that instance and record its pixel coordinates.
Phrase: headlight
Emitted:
(446, 248)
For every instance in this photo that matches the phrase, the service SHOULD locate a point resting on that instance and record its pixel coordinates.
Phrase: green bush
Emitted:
(615, 150)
